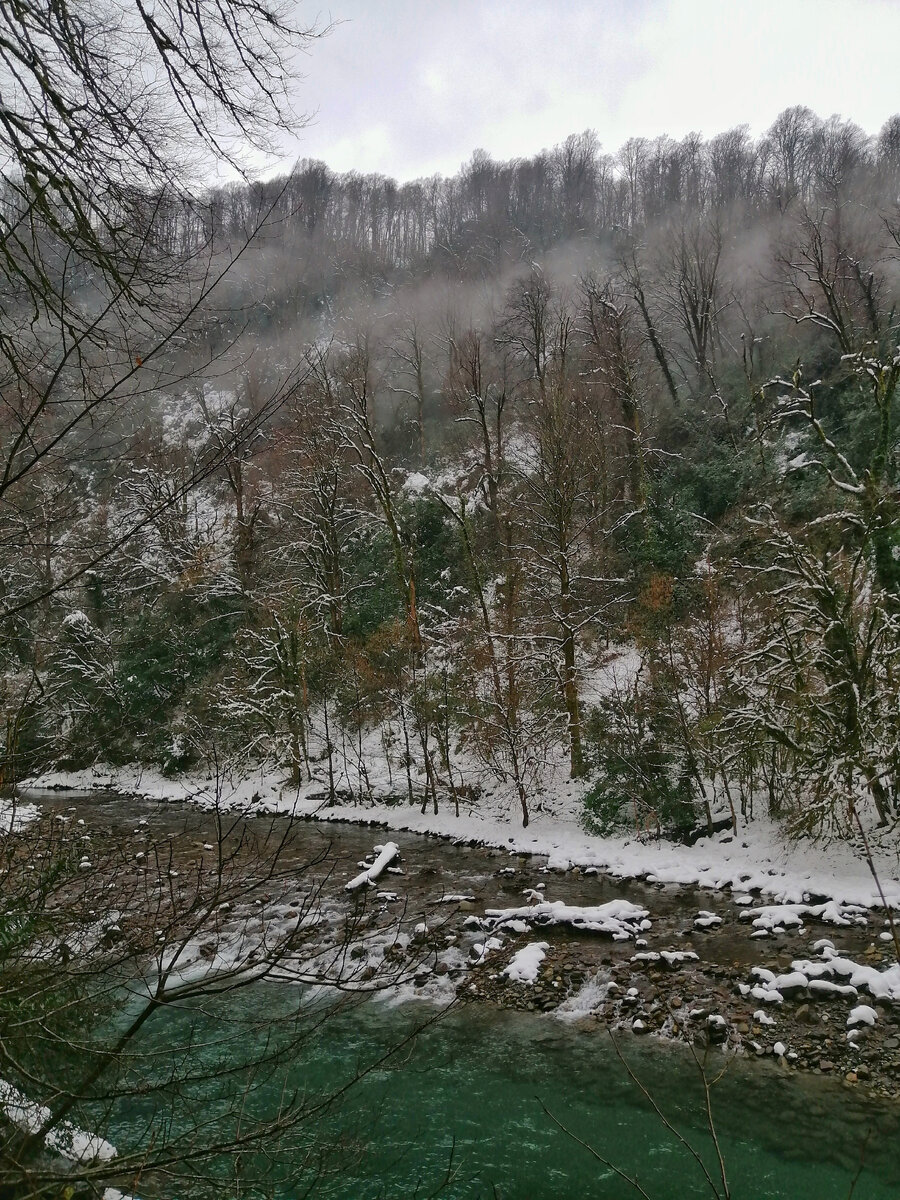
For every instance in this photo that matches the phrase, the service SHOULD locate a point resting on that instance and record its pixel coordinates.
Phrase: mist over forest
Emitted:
(432, 458)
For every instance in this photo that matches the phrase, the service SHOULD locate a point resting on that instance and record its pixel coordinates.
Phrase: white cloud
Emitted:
(407, 87)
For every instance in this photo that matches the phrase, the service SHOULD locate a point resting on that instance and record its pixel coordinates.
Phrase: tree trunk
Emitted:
(573, 709)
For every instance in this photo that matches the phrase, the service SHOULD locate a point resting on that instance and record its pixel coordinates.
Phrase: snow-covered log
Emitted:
(619, 918)
(388, 853)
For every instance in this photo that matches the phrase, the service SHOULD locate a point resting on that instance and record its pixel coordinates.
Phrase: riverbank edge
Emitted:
(758, 859)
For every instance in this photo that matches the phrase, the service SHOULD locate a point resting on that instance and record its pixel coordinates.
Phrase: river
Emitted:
(469, 1096)
(464, 1103)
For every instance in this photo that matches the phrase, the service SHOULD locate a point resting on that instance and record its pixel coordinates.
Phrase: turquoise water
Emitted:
(459, 1111)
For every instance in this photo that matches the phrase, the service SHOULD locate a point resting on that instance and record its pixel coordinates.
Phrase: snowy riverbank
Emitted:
(811, 982)
(758, 859)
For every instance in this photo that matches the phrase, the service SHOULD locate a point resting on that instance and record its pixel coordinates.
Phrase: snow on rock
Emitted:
(791, 984)
(672, 958)
(480, 950)
(525, 963)
(881, 985)
(831, 975)
(863, 1014)
(824, 987)
(773, 917)
(716, 1030)
(761, 1017)
(387, 855)
(772, 988)
(619, 918)
(706, 920)
(764, 989)
(779, 1049)
(762, 992)
(764, 974)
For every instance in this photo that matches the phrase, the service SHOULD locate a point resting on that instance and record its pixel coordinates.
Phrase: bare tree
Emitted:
(832, 267)
(614, 363)
(539, 330)
(634, 273)
(409, 350)
(103, 304)
(692, 292)
(122, 982)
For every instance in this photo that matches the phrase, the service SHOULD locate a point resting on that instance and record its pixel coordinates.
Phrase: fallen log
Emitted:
(388, 853)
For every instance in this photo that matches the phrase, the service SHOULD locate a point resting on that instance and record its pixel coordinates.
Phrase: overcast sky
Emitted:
(411, 87)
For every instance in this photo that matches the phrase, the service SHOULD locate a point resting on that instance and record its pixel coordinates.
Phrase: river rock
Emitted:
(716, 1029)
(792, 985)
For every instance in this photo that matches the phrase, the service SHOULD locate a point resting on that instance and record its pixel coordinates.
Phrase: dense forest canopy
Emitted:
(425, 455)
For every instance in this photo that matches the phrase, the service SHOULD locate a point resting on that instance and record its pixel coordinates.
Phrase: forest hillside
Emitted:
(584, 466)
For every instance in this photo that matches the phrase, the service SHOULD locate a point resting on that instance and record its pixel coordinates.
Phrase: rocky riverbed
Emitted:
(690, 976)
(727, 972)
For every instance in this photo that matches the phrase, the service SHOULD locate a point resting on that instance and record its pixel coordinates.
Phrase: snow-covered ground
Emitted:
(758, 859)
(16, 814)
(66, 1139)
